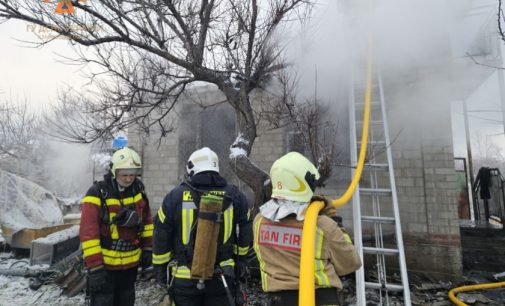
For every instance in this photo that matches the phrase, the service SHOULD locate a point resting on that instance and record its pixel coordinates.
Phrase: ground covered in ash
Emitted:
(426, 291)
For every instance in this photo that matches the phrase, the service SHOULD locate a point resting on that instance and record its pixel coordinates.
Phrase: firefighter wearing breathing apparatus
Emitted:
(116, 232)
(202, 235)
(278, 235)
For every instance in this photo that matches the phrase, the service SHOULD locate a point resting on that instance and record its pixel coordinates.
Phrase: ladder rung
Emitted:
(390, 287)
(378, 219)
(375, 142)
(384, 251)
(371, 122)
(375, 191)
(377, 167)
(372, 104)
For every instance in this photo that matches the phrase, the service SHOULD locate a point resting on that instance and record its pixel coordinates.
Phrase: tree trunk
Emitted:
(240, 150)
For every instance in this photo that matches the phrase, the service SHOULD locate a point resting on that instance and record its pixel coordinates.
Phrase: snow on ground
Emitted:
(424, 290)
(16, 291)
(63, 235)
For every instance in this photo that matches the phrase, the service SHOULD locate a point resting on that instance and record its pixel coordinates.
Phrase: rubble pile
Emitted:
(425, 291)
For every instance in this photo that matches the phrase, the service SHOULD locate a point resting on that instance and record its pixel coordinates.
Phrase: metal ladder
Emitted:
(377, 187)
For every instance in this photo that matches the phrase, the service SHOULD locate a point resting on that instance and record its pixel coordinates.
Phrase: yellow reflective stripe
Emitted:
(186, 196)
(240, 251)
(187, 222)
(112, 202)
(321, 276)
(148, 227)
(185, 226)
(226, 263)
(146, 234)
(118, 258)
(148, 231)
(126, 201)
(92, 251)
(161, 215)
(114, 234)
(347, 237)
(91, 247)
(137, 197)
(264, 280)
(90, 243)
(228, 223)
(162, 258)
(181, 272)
(92, 200)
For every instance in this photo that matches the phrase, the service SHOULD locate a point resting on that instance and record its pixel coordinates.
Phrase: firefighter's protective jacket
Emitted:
(176, 224)
(278, 246)
(115, 247)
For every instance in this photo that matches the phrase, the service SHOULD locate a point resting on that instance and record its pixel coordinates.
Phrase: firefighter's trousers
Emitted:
(184, 292)
(119, 291)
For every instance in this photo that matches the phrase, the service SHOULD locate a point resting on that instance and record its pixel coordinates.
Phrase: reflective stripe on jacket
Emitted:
(176, 224)
(115, 247)
(278, 247)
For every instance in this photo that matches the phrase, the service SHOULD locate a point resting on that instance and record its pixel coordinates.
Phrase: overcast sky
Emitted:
(33, 73)
(36, 74)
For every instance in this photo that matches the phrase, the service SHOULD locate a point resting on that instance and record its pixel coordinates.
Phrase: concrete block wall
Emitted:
(163, 169)
(160, 164)
(427, 197)
(268, 146)
(424, 174)
(426, 183)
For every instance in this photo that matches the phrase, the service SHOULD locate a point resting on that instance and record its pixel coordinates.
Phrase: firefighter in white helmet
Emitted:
(202, 235)
(278, 233)
(116, 232)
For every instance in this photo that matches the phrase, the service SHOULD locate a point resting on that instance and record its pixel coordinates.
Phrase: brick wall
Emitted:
(424, 171)
(426, 184)
(164, 159)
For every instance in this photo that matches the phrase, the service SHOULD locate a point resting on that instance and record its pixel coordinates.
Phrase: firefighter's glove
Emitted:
(160, 272)
(338, 219)
(146, 260)
(127, 217)
(97, 279)
(328, 209)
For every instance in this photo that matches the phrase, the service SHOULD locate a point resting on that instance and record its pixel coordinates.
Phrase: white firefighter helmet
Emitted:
(293, 178)
(202, 160)
(126, 158)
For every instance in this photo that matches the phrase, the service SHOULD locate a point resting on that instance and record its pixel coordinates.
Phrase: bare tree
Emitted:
(19, 140)
(307, 118)
(500, 19)
(156, 48)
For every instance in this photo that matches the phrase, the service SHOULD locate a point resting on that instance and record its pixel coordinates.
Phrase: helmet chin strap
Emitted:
(121, 187)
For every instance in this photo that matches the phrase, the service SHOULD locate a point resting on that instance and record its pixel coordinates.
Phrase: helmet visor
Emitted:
(120, 172)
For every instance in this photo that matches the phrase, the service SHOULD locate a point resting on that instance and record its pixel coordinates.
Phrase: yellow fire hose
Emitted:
(454, 291)
(307, 291)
